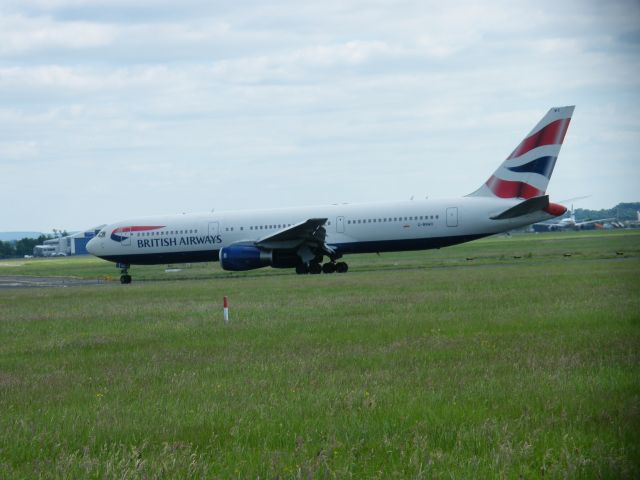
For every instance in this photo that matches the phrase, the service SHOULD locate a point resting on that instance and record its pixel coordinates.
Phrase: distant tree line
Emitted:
(21, 247)
(622, 212)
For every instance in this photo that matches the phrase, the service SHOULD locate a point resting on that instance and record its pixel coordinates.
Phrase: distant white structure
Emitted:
(73, 244)
(44, 250)
(634, 223)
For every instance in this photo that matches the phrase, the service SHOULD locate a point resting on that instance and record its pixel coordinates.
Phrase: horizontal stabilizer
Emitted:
(531, 205)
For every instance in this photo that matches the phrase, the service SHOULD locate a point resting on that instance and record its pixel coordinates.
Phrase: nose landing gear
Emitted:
(125, 278)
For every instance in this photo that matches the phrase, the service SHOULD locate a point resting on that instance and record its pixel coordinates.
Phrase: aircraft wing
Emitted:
(310, 233)
(589, 222)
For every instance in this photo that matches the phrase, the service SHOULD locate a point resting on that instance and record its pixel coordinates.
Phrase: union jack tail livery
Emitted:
(526, 172)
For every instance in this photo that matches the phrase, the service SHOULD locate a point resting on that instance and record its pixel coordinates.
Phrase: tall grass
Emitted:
(504, 368)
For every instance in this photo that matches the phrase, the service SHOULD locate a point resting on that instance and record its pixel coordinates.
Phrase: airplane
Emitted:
(569, 223)
(301, 237)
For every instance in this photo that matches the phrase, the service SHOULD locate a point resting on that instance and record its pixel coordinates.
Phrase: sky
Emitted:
(113, 109)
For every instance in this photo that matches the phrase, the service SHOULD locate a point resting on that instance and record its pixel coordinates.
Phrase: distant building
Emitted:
(44, 250)
(76, 243)
(73, 244)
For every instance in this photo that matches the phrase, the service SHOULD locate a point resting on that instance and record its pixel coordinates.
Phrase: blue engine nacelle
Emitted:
(239, 258)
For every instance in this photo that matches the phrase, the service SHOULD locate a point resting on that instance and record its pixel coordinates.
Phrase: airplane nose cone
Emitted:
(91, 246)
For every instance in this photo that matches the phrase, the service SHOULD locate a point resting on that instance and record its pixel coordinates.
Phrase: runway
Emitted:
(19, 281)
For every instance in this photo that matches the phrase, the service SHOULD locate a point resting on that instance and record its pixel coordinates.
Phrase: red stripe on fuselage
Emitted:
(137, 229)
(552, 134)
(509, 189)
(144, 229)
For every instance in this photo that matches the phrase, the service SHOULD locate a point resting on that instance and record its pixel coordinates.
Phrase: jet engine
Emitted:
(239, 258)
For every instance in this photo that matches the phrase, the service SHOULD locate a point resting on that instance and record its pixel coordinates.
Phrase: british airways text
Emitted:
(173, 242)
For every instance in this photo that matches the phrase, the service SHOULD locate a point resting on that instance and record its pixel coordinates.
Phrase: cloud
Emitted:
(198, 103)
(18, 150)
(20, 34)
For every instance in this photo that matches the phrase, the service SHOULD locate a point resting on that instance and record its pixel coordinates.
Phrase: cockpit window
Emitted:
(101, 234)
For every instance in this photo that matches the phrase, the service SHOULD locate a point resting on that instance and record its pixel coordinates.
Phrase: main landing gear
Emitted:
(315, 268)
(125, 278)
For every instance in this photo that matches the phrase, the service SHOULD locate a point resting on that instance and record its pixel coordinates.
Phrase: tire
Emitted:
(329, 267)
(315, 268)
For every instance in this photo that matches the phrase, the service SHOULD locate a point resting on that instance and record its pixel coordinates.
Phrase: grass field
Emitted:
(498, 358)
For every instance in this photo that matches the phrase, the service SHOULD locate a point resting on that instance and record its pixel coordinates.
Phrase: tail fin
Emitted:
(526, 172)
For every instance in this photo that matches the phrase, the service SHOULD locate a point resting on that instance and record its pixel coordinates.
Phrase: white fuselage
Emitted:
(350, 228)
(301, 238)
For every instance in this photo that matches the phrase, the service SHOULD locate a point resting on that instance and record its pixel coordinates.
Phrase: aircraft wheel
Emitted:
(125, 279)
(314, 268)
(302, 269)
(329, 267)
(342, 267)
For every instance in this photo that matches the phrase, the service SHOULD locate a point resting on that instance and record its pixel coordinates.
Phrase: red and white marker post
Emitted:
(226, 309)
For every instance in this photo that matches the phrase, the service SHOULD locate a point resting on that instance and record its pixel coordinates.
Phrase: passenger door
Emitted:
(214, 228)
(452, 217)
